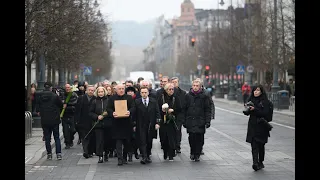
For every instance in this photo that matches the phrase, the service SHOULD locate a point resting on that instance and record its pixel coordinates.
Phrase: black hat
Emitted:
(130, 89)
(80, 84)
(47, 85)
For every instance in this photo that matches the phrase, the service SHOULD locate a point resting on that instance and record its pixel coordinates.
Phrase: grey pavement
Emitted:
(227, 156)
(283, 117)
(286, 112)
(35, 148)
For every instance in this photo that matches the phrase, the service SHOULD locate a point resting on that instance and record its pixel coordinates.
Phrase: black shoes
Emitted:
(191, 157)
(261, 165)
(255, 166)
(196, 158)
(165, 155)
(59, 156)
(178, 151)
(85, 155)
(49, 156)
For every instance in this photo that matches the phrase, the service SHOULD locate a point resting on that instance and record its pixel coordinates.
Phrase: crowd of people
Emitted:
(90, 111)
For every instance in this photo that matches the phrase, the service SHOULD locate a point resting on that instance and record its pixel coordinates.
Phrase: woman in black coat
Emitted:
(258, 131)
(168, 129)
(98, 114)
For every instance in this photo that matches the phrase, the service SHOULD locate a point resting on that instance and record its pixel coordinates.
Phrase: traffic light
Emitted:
(193, 41)
(206, 72)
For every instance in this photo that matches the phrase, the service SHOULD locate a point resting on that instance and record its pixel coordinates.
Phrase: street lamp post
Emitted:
(42, 63)
(275, 86)
(232, 91)
(249, 80)
(218, 91)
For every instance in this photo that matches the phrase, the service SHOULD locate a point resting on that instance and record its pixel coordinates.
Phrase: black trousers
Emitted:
(196, 141)
(245, 98)
(258, 151)
(122, 146)
(99, 141)
(68, 128)
(179, 136)
(145, 143)
(109, 143)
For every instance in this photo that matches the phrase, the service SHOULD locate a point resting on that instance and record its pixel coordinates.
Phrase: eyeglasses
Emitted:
(171, 89)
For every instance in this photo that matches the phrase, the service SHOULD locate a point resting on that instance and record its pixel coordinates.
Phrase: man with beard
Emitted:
(121, 126)
(147, 116)
(84, 121)
(197, 118)
(68, 123)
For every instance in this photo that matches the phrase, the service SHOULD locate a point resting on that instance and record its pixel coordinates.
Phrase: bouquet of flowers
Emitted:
(166, 107)
(67, 101)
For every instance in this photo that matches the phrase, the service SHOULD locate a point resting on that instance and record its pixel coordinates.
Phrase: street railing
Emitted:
(292, 103)
(28, 125)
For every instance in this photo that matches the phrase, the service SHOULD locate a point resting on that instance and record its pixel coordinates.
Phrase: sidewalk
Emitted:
(35, 148)
(282, 112)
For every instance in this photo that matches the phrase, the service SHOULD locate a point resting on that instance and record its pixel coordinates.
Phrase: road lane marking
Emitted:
(237, 113)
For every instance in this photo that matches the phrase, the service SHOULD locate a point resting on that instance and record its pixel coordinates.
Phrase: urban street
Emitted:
(227, 156)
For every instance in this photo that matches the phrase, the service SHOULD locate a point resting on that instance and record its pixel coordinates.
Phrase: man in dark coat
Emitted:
(181, 95)
(81, 91)
(83, 120)
(68, 123)
(197, 118)
(48, 106)
(122, 126)
(147, 115)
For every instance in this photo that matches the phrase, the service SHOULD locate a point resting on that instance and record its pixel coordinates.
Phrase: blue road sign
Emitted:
(87, 70)
(240, 69)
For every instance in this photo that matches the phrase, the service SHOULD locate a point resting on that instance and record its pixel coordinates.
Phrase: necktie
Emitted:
(145, 102)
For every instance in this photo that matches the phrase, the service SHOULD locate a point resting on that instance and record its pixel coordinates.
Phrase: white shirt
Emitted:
(145, 101)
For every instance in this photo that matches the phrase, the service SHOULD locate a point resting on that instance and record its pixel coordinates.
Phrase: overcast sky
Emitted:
(142, 10)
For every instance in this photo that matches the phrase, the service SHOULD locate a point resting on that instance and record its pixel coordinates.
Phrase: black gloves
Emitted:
(207, 125)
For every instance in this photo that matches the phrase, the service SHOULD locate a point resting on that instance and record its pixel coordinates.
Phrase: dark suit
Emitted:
(121, 127)
(84, 121)
(146, 118)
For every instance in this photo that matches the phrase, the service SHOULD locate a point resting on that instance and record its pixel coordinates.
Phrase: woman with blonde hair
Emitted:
(98, 113)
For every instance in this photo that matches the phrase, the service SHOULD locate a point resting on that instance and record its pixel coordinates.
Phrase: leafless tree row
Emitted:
(224, 48)
(67, 33)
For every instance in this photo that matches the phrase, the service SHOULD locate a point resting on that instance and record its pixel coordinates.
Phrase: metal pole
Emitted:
(42, 71)
(232, 91)
(61, 77)
(275, 86)
(249, 80)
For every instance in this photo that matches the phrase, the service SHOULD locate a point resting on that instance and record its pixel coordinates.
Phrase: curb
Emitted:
(236, 103)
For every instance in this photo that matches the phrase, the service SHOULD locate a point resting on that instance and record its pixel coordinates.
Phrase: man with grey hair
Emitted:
(121, 126)
(152, 92)
(212, 107)
(164, 81)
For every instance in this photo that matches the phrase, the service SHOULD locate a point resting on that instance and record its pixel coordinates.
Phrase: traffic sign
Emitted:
(199, 67)
(87, 70)
(250, 69)
(240, 69)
